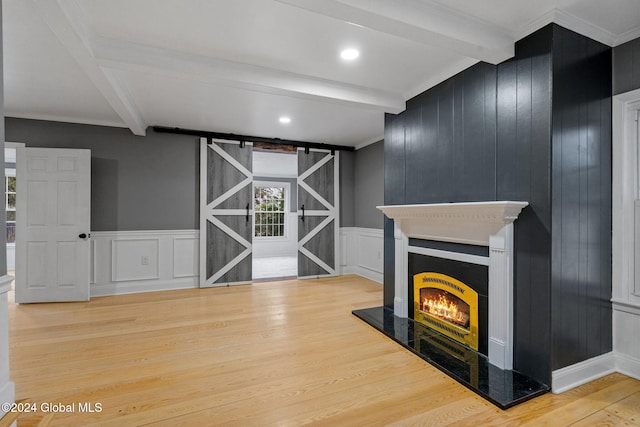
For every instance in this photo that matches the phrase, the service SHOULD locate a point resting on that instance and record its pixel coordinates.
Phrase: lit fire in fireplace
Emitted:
(445, 306)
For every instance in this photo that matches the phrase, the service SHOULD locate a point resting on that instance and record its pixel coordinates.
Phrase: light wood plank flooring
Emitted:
(283, 353)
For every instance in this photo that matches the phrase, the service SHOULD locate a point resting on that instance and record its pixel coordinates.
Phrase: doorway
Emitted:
(275, 244)
(228, 225)
(10, 190)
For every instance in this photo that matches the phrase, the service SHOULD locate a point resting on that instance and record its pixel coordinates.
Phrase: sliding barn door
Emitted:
(226, 197)
(317, 213)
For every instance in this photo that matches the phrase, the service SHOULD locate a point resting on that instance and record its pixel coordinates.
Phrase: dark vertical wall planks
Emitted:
(581, 199)
(523, 165)
(450, 140)
(534, 128)
(394, 182)
(626, 67)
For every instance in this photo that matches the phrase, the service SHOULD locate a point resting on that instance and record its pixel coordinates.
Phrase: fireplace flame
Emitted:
(445, 309)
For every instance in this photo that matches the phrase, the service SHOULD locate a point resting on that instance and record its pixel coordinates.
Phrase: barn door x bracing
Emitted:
(318, 213)
(226, 213)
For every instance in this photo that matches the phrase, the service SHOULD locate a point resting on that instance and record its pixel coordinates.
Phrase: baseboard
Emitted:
(376, 276)
(348, 269)
(628, 365)
(581, 373)
(123, 288)
(5, 283)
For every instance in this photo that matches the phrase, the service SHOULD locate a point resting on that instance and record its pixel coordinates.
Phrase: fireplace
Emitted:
(453, 299)
(447, 305)
(486, 225)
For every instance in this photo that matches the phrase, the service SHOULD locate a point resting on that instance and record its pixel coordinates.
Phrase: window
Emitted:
(270, 208)
(10, 203)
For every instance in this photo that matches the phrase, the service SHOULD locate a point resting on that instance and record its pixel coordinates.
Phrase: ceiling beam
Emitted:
(421, 21)
(64, 19)
(117, 54)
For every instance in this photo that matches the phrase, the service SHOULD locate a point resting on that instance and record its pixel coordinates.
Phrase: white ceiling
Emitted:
(236, 66)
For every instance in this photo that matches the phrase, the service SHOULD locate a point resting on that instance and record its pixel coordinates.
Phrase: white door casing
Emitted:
(318, 224)
(53, 222)
(226, 214)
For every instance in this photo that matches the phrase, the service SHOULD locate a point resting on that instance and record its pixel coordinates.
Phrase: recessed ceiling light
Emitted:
(349, 54)
(285, 120)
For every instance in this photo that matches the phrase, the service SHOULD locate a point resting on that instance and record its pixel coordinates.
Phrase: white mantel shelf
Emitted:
(477, 223)
(500, 212)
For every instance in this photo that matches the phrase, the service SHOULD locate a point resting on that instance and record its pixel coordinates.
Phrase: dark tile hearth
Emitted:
(503, 388)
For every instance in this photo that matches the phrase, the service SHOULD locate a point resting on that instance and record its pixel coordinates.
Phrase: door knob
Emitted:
(83, 235)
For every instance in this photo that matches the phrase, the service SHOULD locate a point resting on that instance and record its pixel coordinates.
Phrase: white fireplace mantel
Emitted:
(475, 223)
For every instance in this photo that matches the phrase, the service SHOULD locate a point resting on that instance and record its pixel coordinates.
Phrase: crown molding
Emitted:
(571, 22)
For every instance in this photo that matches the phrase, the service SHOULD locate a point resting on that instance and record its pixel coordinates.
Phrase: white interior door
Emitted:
(53, 219)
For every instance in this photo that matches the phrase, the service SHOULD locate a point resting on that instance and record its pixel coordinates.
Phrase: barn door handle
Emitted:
(302, 208)
(247, 216)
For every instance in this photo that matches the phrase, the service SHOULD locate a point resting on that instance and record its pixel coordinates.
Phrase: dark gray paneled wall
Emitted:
(369, 186)
(508, 132)
(626, 67)
(347, 176)
(441, 149)
(581, 199)
(137, 183)
(523, 173)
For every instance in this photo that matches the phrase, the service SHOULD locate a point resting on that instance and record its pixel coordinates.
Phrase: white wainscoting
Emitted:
(361, 252)
(125, 262)
(626, 346)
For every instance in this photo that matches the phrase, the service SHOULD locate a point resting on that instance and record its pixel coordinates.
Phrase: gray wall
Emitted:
(626, 67)
(368, 186)
(137, 183)
(347, 174)
(152, 182)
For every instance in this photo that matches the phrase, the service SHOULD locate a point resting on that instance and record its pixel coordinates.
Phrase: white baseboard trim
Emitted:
(581, 373)
(123, 288)
(376, 276)
(628, 365)
(5, 283)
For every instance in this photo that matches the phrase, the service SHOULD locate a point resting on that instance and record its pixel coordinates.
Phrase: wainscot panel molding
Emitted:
(361, 252)
(125, 262)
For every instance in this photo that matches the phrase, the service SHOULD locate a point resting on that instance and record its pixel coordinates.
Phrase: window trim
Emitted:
(287, 209)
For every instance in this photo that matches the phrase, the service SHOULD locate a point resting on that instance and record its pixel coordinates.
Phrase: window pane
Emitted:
(11, 215)
(269, 205)
(11, 184)
(11, 233)
(11, 201)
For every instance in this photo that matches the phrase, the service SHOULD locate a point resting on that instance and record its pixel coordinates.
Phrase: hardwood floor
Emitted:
(278, 353)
